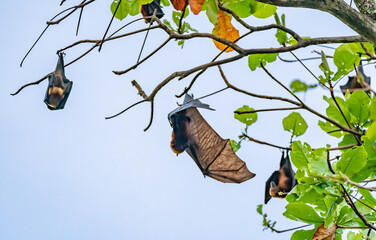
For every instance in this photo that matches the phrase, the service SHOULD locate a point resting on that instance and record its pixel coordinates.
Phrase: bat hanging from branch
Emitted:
(213, 155)
(282, 181)
(147, 10)
(58, 88)
(357, 82)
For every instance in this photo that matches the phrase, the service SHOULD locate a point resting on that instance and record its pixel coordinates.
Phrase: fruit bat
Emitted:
(353, 84)
(213, 155)
(58, 88)
(147, 10)
(282, 181)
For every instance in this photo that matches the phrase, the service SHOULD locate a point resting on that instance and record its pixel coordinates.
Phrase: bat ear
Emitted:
(282, 162)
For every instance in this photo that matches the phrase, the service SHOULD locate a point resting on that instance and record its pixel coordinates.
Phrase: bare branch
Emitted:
(267, 110)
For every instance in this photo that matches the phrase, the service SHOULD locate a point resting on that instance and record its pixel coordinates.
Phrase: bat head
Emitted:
(180, 124)
(58, 88)
(273, 190)
(147, 10)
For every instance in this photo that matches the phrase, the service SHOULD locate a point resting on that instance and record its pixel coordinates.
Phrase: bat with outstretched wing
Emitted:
(213, 155)
(58, 88)
(282, 181)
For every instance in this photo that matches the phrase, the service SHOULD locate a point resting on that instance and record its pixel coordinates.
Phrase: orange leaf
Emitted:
(224, 29)
(196, 6)
(323, 233)
(178, 4)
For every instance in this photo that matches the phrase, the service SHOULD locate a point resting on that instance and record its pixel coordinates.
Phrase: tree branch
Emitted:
(360, 23)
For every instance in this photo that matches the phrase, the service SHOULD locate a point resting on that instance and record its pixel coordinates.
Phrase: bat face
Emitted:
(353, 84)
(280, 182)
(213, 155)
(180, 124)
(58, 88)
(147, 10)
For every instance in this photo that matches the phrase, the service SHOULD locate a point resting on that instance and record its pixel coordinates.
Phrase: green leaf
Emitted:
(368, 196)
(280, 35)
(123, 9)
(372, 109)
(242, 8)
(334, 113)
(299, 86)
(358, 104)
(371, 132)
(302, 235)
(324, 66)
(300, 155)
(254, 60)
(301, 212)
(165, 3)
(346, 57)
(135, 8)
(352, 161)
(235, 145)
(259, 209)
(347, 140)
(247, 118)
(295, 124)
(264, 10)
(318, 163)
(330, 129)
(211, 9)
(354, 236)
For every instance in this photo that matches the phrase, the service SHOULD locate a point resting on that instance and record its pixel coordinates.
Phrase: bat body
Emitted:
(147, 10)
(213, 155)
(58, 88)
(353, 84)
(280, 182)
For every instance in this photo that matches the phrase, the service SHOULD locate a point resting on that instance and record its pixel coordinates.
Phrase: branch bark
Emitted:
(360, 23)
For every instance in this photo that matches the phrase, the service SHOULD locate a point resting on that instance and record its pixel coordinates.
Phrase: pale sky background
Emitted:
(71, 174)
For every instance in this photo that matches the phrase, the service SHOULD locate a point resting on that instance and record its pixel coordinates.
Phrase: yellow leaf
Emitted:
(224, 29)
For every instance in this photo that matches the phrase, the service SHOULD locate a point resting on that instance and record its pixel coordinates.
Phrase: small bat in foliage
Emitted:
(147, 10)
(213, 155)
(58, 88)
(353, 84)
(282, 181)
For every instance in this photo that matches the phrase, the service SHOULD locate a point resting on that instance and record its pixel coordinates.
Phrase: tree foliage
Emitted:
(332, 194)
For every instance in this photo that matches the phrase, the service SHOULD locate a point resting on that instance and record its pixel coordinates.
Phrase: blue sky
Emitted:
(71, 174)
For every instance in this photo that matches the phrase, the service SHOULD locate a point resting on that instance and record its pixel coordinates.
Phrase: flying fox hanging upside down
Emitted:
(147, 10)
(213, 155)
(58, 88)
(282, 181)
(353, 84)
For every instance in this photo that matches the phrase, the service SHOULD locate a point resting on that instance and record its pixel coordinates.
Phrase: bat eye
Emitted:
(188, 119)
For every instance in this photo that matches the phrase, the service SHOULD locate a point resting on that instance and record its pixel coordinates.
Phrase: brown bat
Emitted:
(58, 88)
(282, 181)
(147, 10)
(213, 155)
(353, 84)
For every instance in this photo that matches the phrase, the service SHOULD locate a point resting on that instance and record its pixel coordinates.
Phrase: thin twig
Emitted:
(267, 110)
(182, 16)
(287, 230)
(264, 143)
(109, 25)
(79, 21)
(143, 60)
